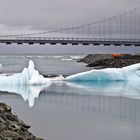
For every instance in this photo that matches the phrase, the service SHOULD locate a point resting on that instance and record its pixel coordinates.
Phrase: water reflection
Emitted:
(129, 89)
(28, 93)
(87, 89)
(117, 107)
(99, 99)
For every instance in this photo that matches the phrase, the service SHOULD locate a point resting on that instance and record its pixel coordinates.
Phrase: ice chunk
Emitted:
(1, 67)
(59, 78)
(76, 57)
(129, 73)
(29, 76)
(31, 68)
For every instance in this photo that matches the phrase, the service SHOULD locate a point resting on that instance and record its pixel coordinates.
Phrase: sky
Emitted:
(22, 16)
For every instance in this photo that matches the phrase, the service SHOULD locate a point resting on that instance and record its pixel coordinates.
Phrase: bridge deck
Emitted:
(73, 41)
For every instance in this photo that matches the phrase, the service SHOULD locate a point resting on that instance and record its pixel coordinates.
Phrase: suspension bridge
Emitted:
(119, 30)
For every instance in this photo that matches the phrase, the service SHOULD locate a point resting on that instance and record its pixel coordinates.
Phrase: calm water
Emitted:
(46, 64)
(74, 111)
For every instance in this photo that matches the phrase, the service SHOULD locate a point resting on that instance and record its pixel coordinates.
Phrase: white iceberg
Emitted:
(76, 57)
(129, 73)
(29, 83)
(59, 78)
(1, 67)
(29, 76)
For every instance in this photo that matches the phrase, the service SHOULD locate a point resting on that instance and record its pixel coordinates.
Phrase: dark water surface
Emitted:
(78, 111)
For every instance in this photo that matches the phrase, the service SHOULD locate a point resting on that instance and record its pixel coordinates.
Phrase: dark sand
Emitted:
(11, 127)
(107, 61)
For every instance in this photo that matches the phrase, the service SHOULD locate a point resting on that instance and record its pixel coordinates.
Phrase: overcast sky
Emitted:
(43, 15)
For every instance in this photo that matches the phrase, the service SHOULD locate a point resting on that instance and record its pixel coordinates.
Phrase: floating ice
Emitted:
(67, 59)
(76, 57)
(129, 73)
(58, 56)
(59, 78)
(1, 67)
(29, 76)
(28, 83)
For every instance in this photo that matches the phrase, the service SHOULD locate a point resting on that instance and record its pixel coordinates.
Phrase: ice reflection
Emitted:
(28, 92)
(129, 89)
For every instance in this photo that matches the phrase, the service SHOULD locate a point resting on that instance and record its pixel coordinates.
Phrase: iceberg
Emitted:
(1, 67)
(29, 83)
(29, 76)
(129, 73)
(76, 57)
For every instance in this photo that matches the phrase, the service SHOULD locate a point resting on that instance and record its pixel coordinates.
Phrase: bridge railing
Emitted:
(68, 39)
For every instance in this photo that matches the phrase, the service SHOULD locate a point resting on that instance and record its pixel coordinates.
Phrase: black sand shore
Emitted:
(100, 61)
(11, 127)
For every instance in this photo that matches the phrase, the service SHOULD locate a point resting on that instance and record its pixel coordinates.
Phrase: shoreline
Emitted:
(11, 127)
(101, 61)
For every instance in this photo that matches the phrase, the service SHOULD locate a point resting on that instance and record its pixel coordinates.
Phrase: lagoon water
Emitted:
(46, 64)
(74, 111)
